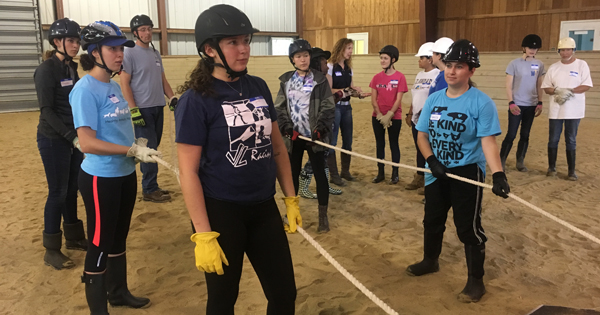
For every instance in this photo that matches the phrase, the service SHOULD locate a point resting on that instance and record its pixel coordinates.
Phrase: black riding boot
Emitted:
(53, 256)
(474, 289)
(432, 248)
(333, 170)
(380, 174)
(521, 152)
(75, 236)
(116, 284)
(323, 220)
(571, 164)
(345, 173)
(552, 153)
(95, 293)
(504, 151)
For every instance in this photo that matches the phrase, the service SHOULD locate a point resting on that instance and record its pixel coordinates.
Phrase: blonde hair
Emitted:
(337, 53)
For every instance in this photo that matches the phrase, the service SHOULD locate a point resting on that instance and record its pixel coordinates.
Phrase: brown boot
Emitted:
(417, 182)
(323, 220)
(157, 196)
(333, 171)
(345, 174)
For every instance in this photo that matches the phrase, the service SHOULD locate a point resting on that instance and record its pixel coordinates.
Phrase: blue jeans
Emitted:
(343, 122)
(525, 119)
(154, 118)
(61, 164)
(556, 127)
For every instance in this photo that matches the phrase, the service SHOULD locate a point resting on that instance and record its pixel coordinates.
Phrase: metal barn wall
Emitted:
(184, 44)
(265, 15)
(20, 54)
(46, 44)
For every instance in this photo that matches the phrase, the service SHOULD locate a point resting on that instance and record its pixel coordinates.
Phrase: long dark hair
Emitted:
(200, 79)
(87, 62)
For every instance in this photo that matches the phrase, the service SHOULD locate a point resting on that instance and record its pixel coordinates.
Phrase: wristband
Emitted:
(409, 114)
(539, 103)
(511, 103)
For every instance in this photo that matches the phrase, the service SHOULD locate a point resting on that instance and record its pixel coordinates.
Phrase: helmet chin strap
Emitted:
(67, 57)
(232, 74)
(135, 34)
(103, 65)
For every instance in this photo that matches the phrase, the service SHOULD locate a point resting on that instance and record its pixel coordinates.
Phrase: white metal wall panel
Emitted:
(119, 12)
(185, 44)
(265, 15)
(46, 43)
(46, 11)
(20, 54)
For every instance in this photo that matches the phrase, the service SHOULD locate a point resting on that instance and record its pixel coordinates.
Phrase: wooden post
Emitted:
(162, 23)
(428, 20)
(60, 9)
(299, 18)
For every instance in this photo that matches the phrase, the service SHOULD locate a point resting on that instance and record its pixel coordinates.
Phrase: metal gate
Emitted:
(20, 54)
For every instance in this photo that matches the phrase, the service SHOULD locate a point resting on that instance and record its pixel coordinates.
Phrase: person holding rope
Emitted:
(387, 88)
(230, 154)
(58, 143)
(523, 88)
(318, 62)
(420, 91)
(107, 180)
(144, 86)
(566, 81)
(457, 134)
(339, 75)
(305, 107)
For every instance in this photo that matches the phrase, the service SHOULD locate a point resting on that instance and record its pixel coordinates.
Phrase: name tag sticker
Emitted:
(258, 101)
(393, 81)
(535, 67)
(307, 88)
(435, 116)
(114, 99)
(338, 73)
(573, 73)
(66, 82)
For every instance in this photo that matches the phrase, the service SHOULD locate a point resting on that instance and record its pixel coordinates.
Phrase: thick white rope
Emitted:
(470, 181)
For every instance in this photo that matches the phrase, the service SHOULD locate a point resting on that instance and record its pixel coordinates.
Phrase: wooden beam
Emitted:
(60, 9)
(162, 23)
(299, 18)
(526, 13)
(275, 34)
(334, 27)
(428, 20)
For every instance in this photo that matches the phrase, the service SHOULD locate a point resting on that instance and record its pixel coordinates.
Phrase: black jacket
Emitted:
(56, 117)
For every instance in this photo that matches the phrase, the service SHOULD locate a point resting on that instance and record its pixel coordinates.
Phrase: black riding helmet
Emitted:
(63, 28)
(216, 23)
(391, 51)
(136, 22)
(463, 51)
(316, 54)
(103, 33)
(532, 41)
(298, 45)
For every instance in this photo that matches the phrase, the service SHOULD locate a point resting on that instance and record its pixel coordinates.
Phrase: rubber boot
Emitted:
(432, 248)
(380, 174)
(552, 153)
(95, 293)
(521, 151)
(333, 169)
(475, 288)
(75, 236)
(323, 220)
(303, 191)
(504, 151)
(332, 191)
(345, 174)
(417, 182)
(571, 164)
(116, 284)
(394, 180)
(53, 256)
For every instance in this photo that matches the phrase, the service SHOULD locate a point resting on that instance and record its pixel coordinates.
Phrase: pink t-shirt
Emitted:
(388, 87)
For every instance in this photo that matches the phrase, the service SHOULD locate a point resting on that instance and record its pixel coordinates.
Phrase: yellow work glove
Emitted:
(293, 214)
(209, 255)
(136, 117)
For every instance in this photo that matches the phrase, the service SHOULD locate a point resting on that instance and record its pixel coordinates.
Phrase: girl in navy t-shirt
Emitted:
(230, 154)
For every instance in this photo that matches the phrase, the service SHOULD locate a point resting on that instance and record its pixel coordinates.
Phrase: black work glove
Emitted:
(437, 168)
(173, 104)
(501, 187)
(317, 133)
(288, 132)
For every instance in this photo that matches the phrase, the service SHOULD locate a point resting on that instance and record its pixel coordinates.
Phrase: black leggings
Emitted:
(420, 158)
(256, 230)
(465, 200)
(109, 203)
(393, 135)
(317, 160)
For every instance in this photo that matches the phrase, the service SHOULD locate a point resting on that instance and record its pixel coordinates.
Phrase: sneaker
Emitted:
(157, 196)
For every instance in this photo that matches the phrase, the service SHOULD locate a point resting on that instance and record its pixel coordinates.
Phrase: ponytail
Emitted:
(87, 62)
(48, 54)
(200, 79)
